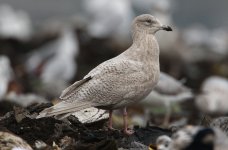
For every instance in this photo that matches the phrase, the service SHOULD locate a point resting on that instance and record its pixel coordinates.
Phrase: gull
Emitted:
(57, 56)
(163, 142)
(183, 137)
(203, 44)
(203, 139)
(213, 97)
(221, 123)
(198, 137)
(120, 81)
(114, 26)
(14, 24)
(167, 91)
(6, 75)
(56, 61)
(67, 48)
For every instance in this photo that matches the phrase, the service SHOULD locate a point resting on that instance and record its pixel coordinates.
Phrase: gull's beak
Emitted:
(166, 28)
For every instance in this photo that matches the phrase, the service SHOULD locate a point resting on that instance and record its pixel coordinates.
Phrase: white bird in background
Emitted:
(196, 35)
(197, 137)
(183, 137)
(163, 142)
(24, 100)
(204, 44)
(14, 23)
(62, 65)
(58, 58)
(213, 97)
(167, 91)
(109, 20)
(218, 41)
(6, 74)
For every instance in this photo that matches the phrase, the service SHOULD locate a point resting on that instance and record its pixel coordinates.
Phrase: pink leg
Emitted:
(126, 130)
(110, 120)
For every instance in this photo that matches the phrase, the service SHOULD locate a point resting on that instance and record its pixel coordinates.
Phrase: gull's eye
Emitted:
(149, 21)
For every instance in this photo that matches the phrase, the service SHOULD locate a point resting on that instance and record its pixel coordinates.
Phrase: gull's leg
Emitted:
(126, 130)
(110, 120)
(167, 115)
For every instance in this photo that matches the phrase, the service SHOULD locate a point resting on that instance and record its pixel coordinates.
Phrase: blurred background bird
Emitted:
(6, 75)
(197, 137)
(55, 62)
(163, 142)
(14, 24)
(167, 91)
(213, 96)
(8, 141)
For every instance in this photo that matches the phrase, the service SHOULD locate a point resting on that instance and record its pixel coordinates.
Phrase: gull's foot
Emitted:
(129, 131)
(112, 129)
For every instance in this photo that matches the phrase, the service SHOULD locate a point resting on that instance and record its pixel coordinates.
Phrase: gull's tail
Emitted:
(67, 106)
(64, 107)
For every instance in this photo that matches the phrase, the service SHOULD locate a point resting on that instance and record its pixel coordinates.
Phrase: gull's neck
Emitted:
(144, 47)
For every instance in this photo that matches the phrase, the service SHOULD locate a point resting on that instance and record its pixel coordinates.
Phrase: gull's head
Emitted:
(148, 24)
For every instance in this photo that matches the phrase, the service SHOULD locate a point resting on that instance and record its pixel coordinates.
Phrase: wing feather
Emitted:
(68, 91)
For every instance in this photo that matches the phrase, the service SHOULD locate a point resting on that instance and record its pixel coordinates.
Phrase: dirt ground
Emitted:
(70, 133)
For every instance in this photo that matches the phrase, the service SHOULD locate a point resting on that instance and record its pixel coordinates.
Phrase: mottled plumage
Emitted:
(221, 123)
(120, 81)
(12, 142)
